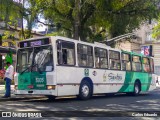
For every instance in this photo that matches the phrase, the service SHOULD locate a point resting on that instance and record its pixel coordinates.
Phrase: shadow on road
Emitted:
(147, 96)
(119, 102)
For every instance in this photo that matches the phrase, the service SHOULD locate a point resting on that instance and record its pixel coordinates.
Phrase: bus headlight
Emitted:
(51, 87)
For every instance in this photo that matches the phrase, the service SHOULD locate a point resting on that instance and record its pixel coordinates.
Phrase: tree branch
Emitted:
(89, 13)
(51, 25)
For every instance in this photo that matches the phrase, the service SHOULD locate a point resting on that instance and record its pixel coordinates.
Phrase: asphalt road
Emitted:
(117, 107)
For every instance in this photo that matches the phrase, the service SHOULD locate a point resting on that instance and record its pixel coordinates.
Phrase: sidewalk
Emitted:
(2, 92)
(158, 85)
(2, 89)
(13, 96)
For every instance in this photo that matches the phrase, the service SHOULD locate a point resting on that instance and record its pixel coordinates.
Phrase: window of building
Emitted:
(136, 63)
(126, 61)
(85, 55)
(65, 53)
(146, 66)
(101, 60)
(114, 60)
(149, 36)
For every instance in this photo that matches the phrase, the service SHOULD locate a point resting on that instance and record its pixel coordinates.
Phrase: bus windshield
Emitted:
(34, 59)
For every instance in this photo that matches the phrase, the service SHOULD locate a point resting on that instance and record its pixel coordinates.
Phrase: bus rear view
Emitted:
(35, 68)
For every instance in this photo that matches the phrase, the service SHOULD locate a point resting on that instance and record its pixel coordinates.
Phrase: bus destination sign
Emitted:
(36, 43)
(33, 43)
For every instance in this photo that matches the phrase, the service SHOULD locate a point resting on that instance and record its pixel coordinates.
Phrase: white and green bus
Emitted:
(58, 66)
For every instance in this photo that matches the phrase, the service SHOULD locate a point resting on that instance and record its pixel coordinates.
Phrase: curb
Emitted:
(17, 97)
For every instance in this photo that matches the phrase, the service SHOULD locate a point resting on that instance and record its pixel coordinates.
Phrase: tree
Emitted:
(8, 12)
(12, 12)
(91, 19)
(30, 13)
(69, 16)
(130, 15)
(156, 30)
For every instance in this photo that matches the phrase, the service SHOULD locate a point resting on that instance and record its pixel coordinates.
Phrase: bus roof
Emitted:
(134, 53)
(95, 44)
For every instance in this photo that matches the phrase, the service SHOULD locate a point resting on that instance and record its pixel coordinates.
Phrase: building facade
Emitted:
(150, 46)
(143, 43)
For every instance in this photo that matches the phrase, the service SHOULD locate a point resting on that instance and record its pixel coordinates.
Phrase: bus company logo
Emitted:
(94, 73)
(86, 72)
(112, 77)
(39, 80)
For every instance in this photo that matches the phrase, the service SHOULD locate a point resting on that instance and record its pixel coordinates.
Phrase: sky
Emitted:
(38, 27)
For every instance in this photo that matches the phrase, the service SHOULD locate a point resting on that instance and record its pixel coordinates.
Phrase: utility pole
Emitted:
(22, 26)
(0, 40)
(77, 19)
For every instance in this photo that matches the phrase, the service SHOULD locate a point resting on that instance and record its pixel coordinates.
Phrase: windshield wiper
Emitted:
(28, 68)
(31, 66)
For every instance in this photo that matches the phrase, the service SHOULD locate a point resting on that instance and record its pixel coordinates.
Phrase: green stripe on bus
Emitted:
(32, 80)
(131, 77)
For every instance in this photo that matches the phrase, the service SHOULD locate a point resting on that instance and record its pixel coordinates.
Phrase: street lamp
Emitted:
(3, 57)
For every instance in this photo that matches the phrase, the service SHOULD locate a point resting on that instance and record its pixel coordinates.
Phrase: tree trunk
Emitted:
(77, 20)
(23, 34)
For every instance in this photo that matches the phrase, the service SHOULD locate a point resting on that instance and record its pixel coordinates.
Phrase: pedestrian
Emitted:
(8, 77)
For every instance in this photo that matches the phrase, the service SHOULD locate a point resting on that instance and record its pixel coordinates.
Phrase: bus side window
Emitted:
(114, 60)
(85, 55)
(136, 63)
(66, 53)
(59, 52)
(64, 56)
(126, 63)
(146, 66)
(152, 65)
(101, 60)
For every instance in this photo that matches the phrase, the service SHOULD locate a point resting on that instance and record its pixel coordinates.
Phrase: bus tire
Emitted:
(50, 97)
(85, 90)
(137, 88)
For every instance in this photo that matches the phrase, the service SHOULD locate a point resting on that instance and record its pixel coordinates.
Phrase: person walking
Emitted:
(8, 78)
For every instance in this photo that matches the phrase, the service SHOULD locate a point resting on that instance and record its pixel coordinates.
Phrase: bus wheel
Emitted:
(50, 97)
(137, 89)
(85, 90)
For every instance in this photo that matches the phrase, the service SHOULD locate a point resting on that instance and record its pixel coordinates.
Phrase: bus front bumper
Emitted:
(35, 92)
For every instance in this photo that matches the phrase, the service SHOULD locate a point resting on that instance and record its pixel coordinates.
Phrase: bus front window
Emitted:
(35, 59)
(43, 59)
(23, 60)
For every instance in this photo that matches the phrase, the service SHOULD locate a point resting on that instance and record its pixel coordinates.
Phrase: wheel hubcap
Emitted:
(136, 89)
(85, 90)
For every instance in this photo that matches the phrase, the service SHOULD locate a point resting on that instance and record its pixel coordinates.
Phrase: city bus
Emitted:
(57, 66)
